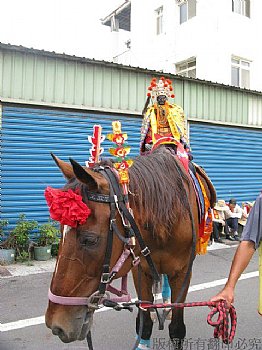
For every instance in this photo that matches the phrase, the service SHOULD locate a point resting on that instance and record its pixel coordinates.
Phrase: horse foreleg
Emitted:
(177, 328)
(143, 287)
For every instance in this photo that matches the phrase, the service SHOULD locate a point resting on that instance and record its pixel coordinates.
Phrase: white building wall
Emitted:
(212, 36)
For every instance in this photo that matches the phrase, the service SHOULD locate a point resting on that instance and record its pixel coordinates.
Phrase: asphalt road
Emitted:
(24, 298)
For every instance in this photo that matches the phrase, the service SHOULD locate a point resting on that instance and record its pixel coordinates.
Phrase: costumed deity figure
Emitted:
(163, 122)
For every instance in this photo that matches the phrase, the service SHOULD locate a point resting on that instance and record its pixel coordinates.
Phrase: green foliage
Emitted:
(55, 248)
(47, 234)
(5, 242)
(22, 231)
(3, 223)
(23, 256)
(18, 238)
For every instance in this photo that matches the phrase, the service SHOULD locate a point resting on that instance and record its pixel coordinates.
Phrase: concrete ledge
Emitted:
(19, 269)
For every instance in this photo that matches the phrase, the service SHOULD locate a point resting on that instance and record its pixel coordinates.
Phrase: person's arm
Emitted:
(251, 236)
(241, 259)
(227, 213)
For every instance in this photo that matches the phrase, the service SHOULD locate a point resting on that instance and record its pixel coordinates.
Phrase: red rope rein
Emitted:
(225, 316)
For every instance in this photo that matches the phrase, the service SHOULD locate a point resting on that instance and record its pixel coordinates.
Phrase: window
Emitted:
(159, 20)
(187, 68)
(187, 10)
(241, 7)
(240, 72)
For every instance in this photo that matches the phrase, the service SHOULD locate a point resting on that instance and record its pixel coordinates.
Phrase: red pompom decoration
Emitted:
(172, 95)
(148, 94)
(67, 207)
(150, 88)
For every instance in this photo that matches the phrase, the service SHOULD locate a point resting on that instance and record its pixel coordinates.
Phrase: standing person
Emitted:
(232, 216)
(219, 219)
(251, 238)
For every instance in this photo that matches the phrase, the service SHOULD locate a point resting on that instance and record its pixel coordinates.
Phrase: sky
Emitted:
(64, 26)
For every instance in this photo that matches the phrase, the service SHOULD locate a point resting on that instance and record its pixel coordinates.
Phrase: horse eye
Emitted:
(89, 240)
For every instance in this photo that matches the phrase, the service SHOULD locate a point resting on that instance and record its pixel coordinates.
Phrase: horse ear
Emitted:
(66, 168)
(92, 179)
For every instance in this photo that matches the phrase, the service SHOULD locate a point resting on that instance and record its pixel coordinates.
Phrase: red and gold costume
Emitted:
(165, 123)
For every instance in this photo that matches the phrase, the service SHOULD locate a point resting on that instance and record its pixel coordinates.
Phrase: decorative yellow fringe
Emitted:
(176, 120)
(202, 242)
(153, 122)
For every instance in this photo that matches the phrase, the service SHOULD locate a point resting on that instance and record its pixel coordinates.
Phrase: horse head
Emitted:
(73, 294)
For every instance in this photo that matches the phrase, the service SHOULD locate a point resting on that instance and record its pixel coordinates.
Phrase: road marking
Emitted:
(220, 282)
(5, 327)
(217, 246)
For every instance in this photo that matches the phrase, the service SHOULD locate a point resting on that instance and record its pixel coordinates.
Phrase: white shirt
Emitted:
(237, 213)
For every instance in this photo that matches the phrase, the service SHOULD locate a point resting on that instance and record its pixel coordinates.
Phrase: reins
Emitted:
(221, 325)
(226, 317)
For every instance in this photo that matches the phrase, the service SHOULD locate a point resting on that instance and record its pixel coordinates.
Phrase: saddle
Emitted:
(207, 194)
(204, 191)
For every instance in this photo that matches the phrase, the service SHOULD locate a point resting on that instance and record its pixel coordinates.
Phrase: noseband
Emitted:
(118, 203)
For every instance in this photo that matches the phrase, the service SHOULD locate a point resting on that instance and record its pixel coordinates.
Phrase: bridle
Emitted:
(118, 203)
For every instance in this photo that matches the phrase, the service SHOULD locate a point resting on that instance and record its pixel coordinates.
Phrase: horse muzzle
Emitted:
(71, 329)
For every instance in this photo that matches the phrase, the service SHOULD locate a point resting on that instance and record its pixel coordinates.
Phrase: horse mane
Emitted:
(157, 190)
(157, 183)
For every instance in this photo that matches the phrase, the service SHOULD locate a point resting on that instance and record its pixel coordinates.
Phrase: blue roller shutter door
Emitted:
(231, 156)
(28, 137)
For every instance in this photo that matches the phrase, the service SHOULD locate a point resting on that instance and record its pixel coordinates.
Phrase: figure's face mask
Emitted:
(161, 99)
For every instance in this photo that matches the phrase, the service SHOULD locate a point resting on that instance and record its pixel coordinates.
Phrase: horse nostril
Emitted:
(57, 331)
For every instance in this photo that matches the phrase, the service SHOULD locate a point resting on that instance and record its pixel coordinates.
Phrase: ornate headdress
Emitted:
(162, 87)
(120, 151)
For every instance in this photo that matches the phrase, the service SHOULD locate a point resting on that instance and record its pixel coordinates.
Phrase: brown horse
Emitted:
(165, 210)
